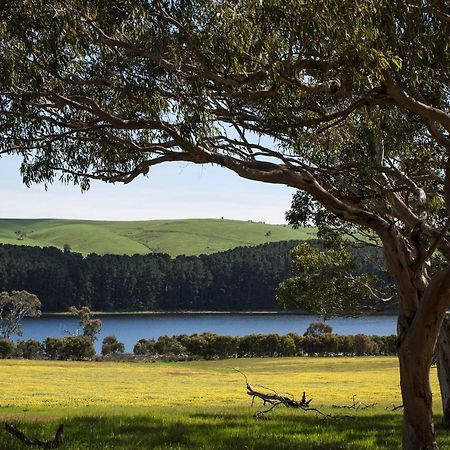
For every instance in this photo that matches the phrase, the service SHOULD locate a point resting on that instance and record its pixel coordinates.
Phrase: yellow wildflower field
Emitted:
(41, 384)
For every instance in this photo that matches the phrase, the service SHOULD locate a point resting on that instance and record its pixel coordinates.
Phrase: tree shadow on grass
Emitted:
(200, 430)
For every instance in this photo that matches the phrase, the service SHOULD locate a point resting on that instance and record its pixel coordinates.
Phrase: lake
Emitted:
(129, 328)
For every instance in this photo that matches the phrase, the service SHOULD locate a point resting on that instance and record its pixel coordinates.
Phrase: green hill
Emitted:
(175, 237)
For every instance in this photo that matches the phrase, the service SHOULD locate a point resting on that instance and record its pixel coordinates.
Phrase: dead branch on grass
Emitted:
(275, 399)
(46, 445)
(355, 405)
(393, 407)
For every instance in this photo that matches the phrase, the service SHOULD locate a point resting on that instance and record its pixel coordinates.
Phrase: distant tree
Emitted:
(316, 328)
(111, 345)
(91, 327)
(13, 308)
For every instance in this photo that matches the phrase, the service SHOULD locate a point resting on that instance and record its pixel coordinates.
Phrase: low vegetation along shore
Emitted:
(204, 346)
(112, 405)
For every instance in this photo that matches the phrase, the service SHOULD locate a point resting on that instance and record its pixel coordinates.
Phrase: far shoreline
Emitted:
(193, 313)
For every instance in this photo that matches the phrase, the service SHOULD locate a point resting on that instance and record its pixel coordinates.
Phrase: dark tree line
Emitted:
(244, 278)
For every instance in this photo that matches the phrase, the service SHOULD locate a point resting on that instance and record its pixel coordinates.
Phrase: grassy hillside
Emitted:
(175, 237)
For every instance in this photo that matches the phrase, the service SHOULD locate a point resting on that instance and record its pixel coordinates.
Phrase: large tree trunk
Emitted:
(423, 304)
(417, 343)
(443, 366)
(418, 426)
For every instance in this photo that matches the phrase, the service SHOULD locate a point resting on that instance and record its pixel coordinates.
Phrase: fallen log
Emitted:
(46, 445)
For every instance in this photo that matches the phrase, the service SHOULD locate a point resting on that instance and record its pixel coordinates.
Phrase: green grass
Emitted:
(175, 237)
(202, 404)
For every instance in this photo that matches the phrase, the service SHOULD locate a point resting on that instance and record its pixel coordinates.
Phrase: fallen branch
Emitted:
(393, 407)
(355, 405)
(51, 443)
(274, 399)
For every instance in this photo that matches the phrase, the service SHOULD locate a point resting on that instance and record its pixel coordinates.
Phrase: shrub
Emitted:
(111, 345)
(166, 345)
(364, 345)
(210, 345)
(72, 347)
(287, 346)
(6, 348)
(29, 349)
(144, 347)
(77, 347)
(52, 347)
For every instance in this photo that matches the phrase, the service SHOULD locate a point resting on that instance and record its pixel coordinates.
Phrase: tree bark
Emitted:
(443, 367)
(417, 344)
(423, 304)
(418, 425)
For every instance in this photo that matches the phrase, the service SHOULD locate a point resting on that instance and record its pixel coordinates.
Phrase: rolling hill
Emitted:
(175, 237)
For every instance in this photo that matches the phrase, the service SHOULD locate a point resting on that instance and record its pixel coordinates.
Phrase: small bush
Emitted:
(29, 349)
(144, 347)
(6, 348)
(111, 345)
(166, 345)
(72, 347)
(365, 345)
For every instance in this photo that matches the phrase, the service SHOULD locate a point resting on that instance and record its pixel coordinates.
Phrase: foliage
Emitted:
(6, 348)
(13, 308)
(210, 345)
(29, 349)
(342, 280)
(144, 347)
(91, 327)
(364, 345)
(327, 282)
(318, 328)
(70, 347)
(111, 345)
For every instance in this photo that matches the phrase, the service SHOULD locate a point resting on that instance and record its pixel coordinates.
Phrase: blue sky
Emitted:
(170, 191)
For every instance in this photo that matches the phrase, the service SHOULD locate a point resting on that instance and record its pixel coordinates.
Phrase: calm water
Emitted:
(130, 328)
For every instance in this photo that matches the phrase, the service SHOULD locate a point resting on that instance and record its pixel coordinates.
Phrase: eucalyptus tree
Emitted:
(329, 282)
(348, 101)
(14, 307)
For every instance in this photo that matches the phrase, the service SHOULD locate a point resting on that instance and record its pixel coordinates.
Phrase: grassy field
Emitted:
(202, 404)
(175, 237)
